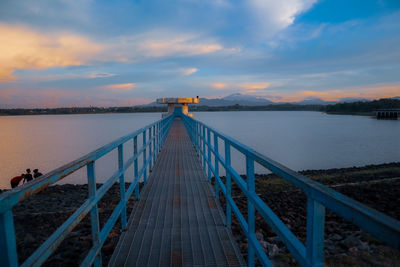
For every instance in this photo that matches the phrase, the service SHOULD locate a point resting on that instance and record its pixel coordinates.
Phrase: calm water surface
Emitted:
(311, 140)
(299, 140)
(47, 142)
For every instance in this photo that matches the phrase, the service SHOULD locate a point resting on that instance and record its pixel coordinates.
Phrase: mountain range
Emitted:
(250, 100)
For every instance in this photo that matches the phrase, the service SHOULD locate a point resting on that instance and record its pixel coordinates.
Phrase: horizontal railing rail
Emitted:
(153, 138)
(319, 197)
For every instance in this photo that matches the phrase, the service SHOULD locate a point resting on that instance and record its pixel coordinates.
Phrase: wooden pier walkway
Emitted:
(177, 221)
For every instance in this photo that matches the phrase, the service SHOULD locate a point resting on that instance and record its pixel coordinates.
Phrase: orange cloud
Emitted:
(161, 43)
(24, 48)
(182, 46)
(122, 87)
(244, 87)
(219, 85)
(187, 72)
(253, 87)
(368, 92)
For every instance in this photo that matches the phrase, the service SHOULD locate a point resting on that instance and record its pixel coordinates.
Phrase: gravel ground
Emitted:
(345, 243)
(37, 217)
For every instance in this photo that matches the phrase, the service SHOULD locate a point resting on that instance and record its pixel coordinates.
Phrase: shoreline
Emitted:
(374, 185)
(221, 110)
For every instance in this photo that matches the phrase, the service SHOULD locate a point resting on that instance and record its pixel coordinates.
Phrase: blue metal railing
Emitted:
(153, 137)
(319, 197)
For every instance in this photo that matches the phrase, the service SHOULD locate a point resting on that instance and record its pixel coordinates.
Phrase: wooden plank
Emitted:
(177, 221)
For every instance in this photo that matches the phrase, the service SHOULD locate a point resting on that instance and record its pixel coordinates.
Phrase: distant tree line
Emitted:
(272, 107)
(81, 110)
(363, 106)
(360, 107)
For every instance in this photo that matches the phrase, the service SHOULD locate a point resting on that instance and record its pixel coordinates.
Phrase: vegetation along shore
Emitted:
(377, 186)
(355, 108)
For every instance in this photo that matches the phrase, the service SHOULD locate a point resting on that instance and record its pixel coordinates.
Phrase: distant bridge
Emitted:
(393, 114)
(177, 220)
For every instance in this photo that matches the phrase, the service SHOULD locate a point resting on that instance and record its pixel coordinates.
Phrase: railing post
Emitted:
(216, 165)
(194, 133)
(228, 183)
(154, 143)
(150, 149)
(204, 147)
(191, 127)
(144, 157)
(135, 167)
(8, 247)
(315, 232)
(122, 185)
(162, 132)
(158, 137)
(209, 153)
(198, 139)
(94, 213)
(196, 136)
(250, 208)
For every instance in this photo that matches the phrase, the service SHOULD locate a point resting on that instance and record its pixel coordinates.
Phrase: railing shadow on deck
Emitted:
(319, 197)
(153, 137)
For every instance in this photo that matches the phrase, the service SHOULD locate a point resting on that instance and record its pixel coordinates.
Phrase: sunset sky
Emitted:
(116, 53)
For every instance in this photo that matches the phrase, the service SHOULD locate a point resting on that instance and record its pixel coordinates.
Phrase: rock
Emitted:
(264, 244)
(29, 238)
(259, 236)
(363, 246)
(335, 237)
(353, 251)
(85, 237)
(276, 240)
(273, 250)
(74, 234)
(350, 241)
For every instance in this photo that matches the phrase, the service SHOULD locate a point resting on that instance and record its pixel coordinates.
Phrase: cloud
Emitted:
(368, 92)
(218, 86)
(122, 87)
(94, 75)
(190, 71)
(277, 15)
(179, 46)
(24, 48)
(39, 77)
(253, 87)
(55, 97)
(162, 43)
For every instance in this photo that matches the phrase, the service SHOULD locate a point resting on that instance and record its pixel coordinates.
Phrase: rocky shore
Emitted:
(377, 186)
(37, 217)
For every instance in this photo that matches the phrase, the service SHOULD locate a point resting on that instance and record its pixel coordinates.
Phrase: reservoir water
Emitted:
(299, 140)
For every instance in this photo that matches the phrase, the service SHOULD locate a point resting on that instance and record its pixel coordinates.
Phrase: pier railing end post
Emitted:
(94, 213)
(315, 232)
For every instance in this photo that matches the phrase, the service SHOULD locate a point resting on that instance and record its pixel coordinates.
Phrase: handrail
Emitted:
(153, 135)
(319, 197)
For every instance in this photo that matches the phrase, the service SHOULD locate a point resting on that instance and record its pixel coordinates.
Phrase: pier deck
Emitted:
(177, 221)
